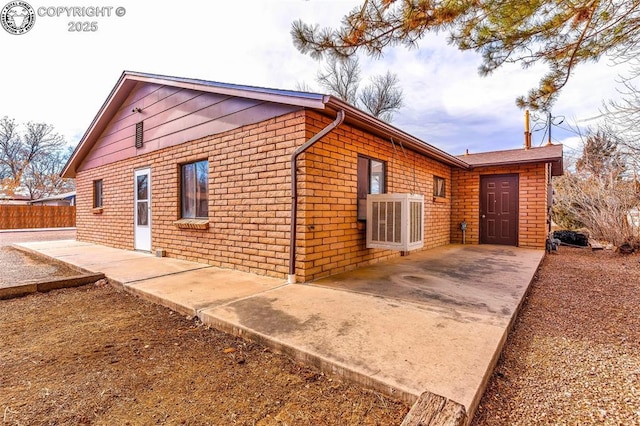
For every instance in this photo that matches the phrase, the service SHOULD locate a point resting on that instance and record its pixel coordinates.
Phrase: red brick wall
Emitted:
(249, 198)
(331, 239)
(532, 203)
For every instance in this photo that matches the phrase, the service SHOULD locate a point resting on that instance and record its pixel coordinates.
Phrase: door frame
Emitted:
(138, 242)
(516, 194)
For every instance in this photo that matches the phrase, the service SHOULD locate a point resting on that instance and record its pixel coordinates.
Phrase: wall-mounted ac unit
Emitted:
(395, 221)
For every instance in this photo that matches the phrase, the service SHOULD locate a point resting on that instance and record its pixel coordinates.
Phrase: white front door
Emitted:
(142, 209)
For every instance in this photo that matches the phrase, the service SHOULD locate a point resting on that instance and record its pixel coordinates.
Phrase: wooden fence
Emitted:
(24, 217)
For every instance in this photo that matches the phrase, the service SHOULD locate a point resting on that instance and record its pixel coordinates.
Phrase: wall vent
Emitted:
(395, 221)
(139, 130)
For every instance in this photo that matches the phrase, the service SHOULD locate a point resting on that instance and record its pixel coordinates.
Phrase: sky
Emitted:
(61, 77)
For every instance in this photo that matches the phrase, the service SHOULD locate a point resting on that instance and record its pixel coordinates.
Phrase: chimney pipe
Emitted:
(527, 132)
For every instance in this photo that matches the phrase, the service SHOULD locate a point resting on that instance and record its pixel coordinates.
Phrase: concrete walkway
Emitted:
(433, 321)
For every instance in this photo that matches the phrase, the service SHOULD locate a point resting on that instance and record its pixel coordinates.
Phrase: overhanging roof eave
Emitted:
(290, 97)
(370, 123)
(557, 163)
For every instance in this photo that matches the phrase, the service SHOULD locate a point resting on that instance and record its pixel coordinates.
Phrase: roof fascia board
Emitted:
(256, 93)
(387, 130)
(514, 163)
(557, 164)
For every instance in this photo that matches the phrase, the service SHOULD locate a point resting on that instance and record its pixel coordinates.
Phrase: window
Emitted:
(97, 193)
(194, 190)
(439, 189)
(371, 180)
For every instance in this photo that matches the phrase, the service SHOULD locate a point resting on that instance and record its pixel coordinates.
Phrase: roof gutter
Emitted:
(294, 190)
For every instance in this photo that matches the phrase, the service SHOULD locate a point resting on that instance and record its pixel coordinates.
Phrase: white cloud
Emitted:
(63, 78)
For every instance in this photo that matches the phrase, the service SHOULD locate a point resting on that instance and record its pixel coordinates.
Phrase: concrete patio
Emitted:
(433, 322)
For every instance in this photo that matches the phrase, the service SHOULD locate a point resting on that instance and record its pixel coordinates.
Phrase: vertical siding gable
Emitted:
(173, 116)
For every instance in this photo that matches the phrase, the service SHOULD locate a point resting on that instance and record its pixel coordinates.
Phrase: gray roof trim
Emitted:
(62, 196)
(546, 154)
(292, 97)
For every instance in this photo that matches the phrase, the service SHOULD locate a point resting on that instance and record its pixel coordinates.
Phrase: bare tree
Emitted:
(42, 178)
(382, 97)
(341, 78)
(31, 159)
(601, 155)
(624, 114)
(303, 86)
(600, 193)
(10, 146)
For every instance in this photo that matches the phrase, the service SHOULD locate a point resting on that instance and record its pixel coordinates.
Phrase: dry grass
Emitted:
(573, 356)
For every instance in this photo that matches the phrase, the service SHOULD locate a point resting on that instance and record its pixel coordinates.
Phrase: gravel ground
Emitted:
(573, 356)
(19, 267)
(9, 237)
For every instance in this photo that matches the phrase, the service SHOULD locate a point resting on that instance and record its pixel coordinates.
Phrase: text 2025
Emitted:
(78, 27)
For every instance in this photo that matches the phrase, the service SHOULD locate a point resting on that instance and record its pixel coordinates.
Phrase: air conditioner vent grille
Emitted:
(395, 221)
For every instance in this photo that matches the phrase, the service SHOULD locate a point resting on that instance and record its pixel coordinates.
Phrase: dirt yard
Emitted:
(95, 355)
(573, 356)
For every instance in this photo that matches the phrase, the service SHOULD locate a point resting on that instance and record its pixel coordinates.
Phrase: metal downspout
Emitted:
(294, 190)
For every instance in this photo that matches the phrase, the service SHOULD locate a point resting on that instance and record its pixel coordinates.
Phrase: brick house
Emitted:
(275, 182)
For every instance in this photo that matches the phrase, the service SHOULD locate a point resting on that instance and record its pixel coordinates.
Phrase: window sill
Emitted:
(97, 210)
(440, 200)
(192, 223)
